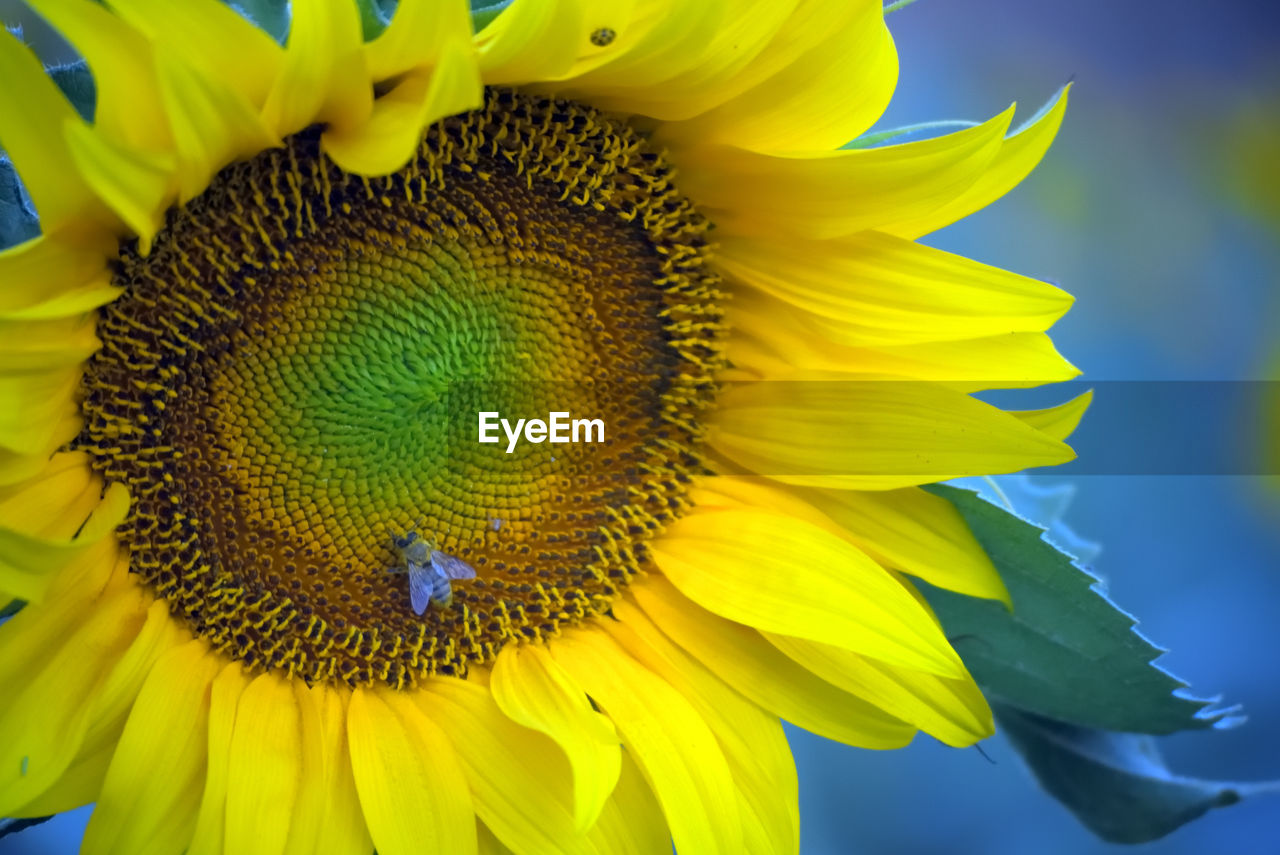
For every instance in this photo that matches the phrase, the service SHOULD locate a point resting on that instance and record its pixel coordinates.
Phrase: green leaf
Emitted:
(18, 220)
(77, 85)
(484, 11)
(929, 130)
(910, 133)
(1066, 670)
(374, 16)
(13, 826)
(1116, 784)
(271, 16)
(1066, 651)
(72, 78)
(10, 609)
(17, 217)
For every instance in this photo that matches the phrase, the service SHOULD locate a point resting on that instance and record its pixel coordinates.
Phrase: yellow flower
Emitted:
(274, 288)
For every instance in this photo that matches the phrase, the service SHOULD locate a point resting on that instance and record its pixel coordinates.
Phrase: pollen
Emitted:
(293, 374)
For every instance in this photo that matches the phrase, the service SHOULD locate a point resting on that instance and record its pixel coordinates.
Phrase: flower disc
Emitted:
(293, 376)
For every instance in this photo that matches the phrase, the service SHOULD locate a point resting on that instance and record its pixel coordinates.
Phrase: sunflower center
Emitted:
(292, 379)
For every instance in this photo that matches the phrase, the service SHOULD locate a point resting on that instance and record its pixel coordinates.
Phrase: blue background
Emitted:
(1159, 208)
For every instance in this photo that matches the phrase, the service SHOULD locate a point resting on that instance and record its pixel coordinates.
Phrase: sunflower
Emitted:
(276, 282)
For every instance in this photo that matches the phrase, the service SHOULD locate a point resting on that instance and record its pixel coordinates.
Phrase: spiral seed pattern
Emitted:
(293, 373)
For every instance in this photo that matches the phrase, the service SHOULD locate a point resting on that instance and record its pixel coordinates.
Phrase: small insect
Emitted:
(603, 36)
(430, 571)
(495, 523)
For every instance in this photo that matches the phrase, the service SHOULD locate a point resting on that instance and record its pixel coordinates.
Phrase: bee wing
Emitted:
(421, 584)
(452, 568)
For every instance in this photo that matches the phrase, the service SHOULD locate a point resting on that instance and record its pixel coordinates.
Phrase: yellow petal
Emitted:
(411, 785)
(1017, 157)
(152, 791)
(159, 634)
(785, 575)
(918, 533)
(53, 504)
(314, 795)
(32, 402)
(135, 186)
(324, 76)
(417, 33)
(533, 40)
(910, 530)
(393, 131)
(341, 826)
(532, 690)
(128, 109)
(37, 346)
(874, 290)
(78, 786)
(213, 124)
(519, 780)
(34, 112)
(821, 195)
(16, 467)
(672, 744)
(88, 296)
(47, 712)
(38, 410)
(209, 836)
(952, 710)
(1058, 422)
(823, 80)
(872, 435)
(651, 43)
(51, 264)
(487, 843)
(82, 780)
(748, 663)
(773, 339)
(266, 767)
(631, 822)
(699, 69)
(30, 564)
(34, 634)
(752, 739)
(200, 31)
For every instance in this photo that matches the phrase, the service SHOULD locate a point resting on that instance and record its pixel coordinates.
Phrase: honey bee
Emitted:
(431, 571)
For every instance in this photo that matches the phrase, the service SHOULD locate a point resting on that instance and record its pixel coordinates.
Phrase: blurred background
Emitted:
(1159, 208)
